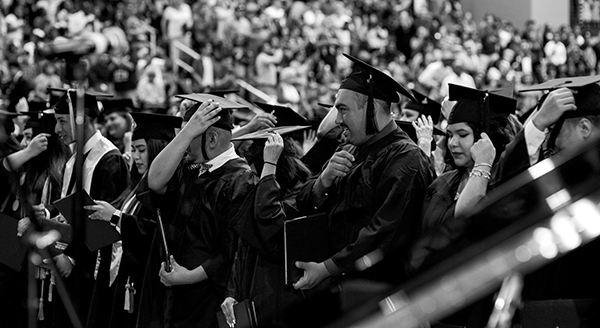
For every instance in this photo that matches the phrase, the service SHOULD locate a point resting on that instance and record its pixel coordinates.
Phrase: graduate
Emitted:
(423, 105)
(476, 135)
(567, 117)
(199, 183)
(372, 189)
(475, 139)
(105, 178)
(125, 273)
(258, 272)
(35, 173)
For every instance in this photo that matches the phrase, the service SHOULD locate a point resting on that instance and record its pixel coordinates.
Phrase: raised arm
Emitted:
(164, 165)
(483, 153)
(36, 146)
(271, 153)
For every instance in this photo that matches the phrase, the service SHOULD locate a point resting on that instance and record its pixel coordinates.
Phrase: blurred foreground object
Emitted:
(530, 221)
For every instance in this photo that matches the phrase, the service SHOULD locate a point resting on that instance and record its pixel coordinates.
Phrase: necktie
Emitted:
(201, 167)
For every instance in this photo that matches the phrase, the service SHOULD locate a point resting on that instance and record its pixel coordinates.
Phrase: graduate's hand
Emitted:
(261, 121)
(38, 144)
(483, 150)
(102, 211)
(127, 146)
(556, 104)
(40, 211)
(128, 158)
(22, 226)
(310, 139)
(203, 118)
(63, 265)
(273, 148)
(337, 167)
(227, 308)
(424, 128)
(314, 273)
(178, 275)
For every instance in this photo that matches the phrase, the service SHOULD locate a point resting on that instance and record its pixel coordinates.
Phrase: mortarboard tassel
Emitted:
(52, 283)
(485, 114)
(371, 122)
(41, 307)
(554, 133)
(129, 296)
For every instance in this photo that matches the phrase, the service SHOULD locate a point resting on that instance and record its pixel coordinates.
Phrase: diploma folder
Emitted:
(12, 248)
(305, 239)
(98, 233)
(66, 236)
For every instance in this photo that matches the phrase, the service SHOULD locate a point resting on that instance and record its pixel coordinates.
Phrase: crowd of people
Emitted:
(377, 119)
(290, 50)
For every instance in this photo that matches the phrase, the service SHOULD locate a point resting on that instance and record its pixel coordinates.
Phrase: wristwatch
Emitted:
(116, 216)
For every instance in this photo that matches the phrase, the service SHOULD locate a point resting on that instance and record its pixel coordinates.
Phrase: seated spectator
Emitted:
(46, 79)
(151, 92)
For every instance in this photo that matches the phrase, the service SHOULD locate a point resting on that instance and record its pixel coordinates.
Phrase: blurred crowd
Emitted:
(291, 50)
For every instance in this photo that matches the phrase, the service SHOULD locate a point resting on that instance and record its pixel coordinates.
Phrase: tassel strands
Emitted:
(129, 305)
(371, 127)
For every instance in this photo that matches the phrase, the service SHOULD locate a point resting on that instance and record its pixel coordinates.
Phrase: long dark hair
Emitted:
(153, 147)
(290, 169)
(48, 164)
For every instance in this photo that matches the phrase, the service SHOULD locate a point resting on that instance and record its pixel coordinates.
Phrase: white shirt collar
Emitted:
(91, 142)
(223, 158)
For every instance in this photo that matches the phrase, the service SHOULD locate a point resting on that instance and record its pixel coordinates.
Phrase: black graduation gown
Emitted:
(513, 160)
(441, 234)
(377, 205)
(109, 180)
(258, 272)
(438, 213)
(197, 212)
(107, 309)
(13, 285)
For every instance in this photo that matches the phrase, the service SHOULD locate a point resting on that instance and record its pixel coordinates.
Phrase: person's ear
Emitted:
(213, 138)
(585, 127)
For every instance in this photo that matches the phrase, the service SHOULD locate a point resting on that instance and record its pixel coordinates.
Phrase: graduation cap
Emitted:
(587, 99)
(90, 101)
(53, 99)
(226, 120)
(155, 126)
(37, 106)
(222, 92)
(40, 122)
(368, 80)
(565, 82)
(478, 106)
(116, 105)
(264, 134)
(425, 106)
(285, 116)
